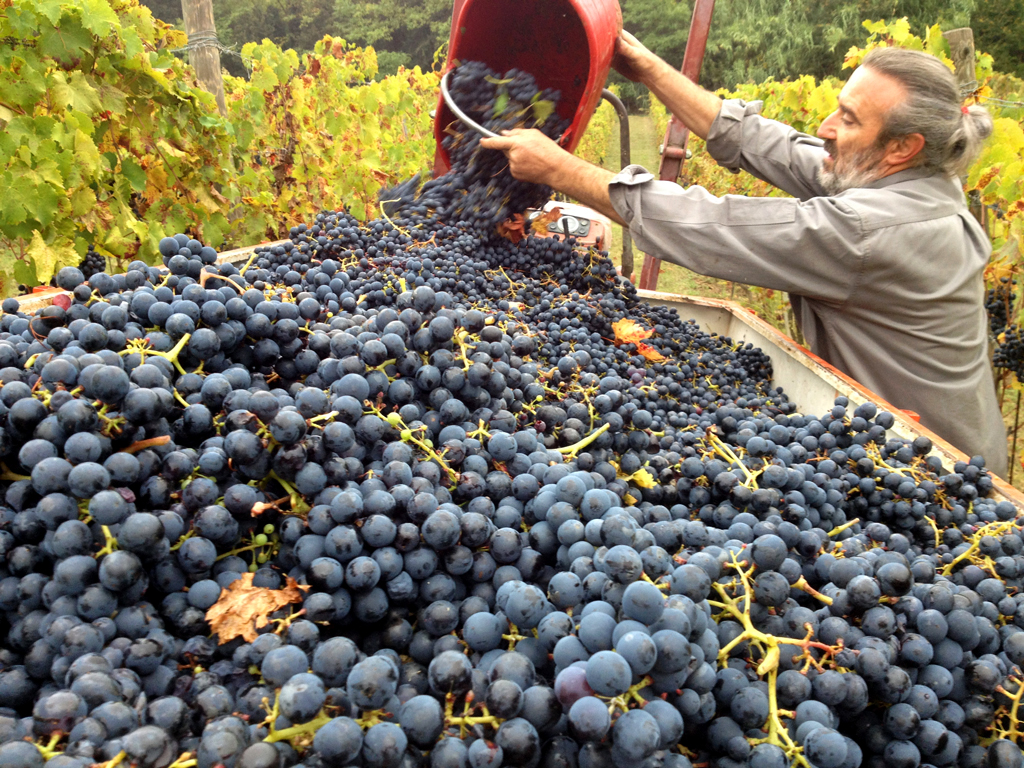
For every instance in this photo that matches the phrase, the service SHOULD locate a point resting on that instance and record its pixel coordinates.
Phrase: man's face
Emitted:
(855, 156)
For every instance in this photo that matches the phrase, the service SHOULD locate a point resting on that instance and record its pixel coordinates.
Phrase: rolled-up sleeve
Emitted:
(814, 248)
(740, 139)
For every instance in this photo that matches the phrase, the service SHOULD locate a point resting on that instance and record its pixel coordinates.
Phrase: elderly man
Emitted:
(881, 258)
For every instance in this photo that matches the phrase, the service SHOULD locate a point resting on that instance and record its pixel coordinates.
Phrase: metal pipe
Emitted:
(624, 159)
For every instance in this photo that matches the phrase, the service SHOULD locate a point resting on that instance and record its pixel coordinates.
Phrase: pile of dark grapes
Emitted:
(499, 537)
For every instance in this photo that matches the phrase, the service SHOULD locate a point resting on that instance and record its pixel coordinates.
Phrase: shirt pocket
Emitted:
(753, 211)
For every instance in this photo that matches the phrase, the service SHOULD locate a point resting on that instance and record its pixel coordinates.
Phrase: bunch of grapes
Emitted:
(393, 494)
(1009, 352)
(93, 263)
(999, 302)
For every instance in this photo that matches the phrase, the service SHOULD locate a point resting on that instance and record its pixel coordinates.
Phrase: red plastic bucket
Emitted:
(564, 44)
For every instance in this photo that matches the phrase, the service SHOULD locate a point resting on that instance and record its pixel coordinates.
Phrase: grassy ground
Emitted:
(644, 142)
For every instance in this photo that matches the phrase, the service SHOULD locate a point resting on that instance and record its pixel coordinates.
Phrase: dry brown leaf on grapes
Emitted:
(243, 608)
(514, 229)
(630, 332)
(650, 352)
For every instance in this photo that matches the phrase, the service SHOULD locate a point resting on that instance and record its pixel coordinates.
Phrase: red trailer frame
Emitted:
(676, 136)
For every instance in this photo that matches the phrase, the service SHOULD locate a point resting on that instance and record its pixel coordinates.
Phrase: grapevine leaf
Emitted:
(500, 104)
(643, 478)
(41, 202)
(75, 93)
(540, 223)
(514, 228)
(900, 30)
(48, 9)
(542, 110)
(99, 18)
(369, 99)
(13, 188)
(42, 257)
(171, 150)
(8, 287)
(86, 153)
(67, 44)
(243, 608)
(134, 173)
(629, 331)
(650, 353)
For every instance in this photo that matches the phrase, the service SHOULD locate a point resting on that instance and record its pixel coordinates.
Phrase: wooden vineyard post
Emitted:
(961, 50)
(204, 49)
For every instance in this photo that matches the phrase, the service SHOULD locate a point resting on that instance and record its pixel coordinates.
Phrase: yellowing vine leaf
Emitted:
(643, 478)
(243, 608)
(630, 331)
(541, 222)
(650, 352)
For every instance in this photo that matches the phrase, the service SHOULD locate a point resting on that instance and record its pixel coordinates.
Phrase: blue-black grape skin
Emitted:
(391, 407)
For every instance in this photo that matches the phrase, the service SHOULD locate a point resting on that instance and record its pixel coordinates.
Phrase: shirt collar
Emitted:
(908, 175)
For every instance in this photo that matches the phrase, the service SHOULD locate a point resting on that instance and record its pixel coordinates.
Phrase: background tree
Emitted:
(999, 30)
(402, 31)
(752, 40)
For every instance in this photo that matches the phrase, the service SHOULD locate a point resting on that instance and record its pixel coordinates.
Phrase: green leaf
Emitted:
(875, 27)
(900, 30)
(13, 190)
(48, 9)
(134, 173)
(68, 43)
(369, 99)
(542, 110)
(41, 201)
(75, 93)
(500, 103)
(99, 18)
(86, 153)
(113, 100)
(42, 257)
(24, 272)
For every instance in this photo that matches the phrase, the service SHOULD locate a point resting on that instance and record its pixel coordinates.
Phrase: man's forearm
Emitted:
(696, 107)
(586, 183)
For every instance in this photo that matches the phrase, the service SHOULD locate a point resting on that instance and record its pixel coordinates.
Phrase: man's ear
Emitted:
(904, 149)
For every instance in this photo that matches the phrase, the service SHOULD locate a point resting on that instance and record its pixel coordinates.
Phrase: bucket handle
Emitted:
(466, 118)
(459, 113)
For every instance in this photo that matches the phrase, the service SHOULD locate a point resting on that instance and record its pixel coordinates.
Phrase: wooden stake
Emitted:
(205, 56)
(961, 48)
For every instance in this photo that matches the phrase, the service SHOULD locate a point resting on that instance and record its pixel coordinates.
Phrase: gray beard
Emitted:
(862, 171)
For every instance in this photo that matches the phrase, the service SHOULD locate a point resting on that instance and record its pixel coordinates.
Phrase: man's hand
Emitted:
(632, 60)
(532, 156)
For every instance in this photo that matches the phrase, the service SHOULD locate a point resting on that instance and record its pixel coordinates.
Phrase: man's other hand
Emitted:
(632, 60)
(532, 156)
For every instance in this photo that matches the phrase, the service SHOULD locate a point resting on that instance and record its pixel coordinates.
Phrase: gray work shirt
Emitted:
(886, 280)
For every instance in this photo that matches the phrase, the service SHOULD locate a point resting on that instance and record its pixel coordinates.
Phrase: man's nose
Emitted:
(827, 128)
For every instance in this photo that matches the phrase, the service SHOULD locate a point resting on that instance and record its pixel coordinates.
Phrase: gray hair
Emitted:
(952, 137)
